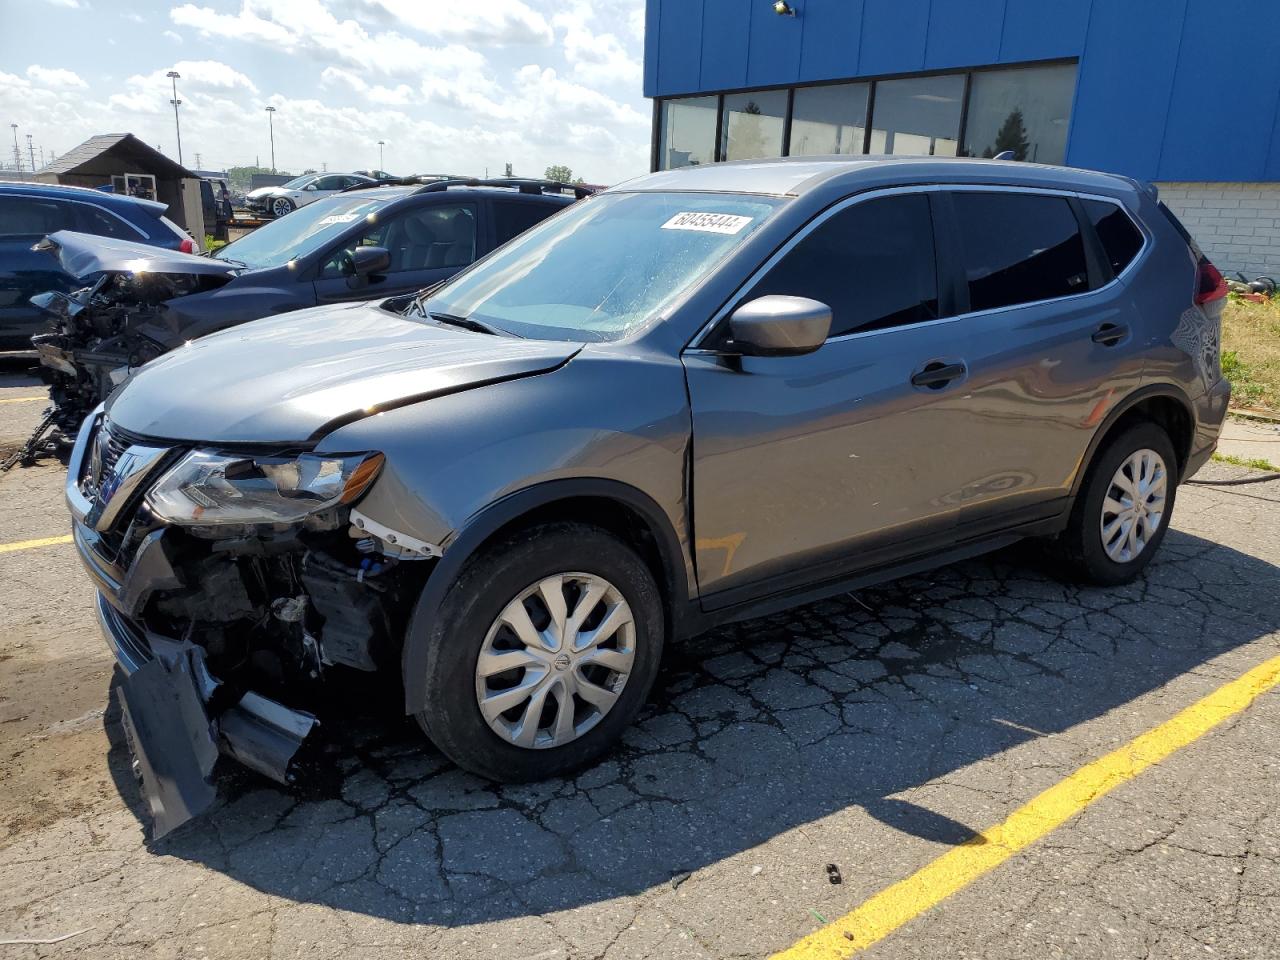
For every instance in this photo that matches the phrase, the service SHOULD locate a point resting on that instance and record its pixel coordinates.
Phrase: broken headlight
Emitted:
(205, 488)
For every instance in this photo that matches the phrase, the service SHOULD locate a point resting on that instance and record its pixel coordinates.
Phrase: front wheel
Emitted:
(281, 206)
(1123, 508)
(544, 651)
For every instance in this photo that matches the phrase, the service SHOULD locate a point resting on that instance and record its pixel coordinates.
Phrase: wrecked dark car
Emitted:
(698, 397)
(139, 302)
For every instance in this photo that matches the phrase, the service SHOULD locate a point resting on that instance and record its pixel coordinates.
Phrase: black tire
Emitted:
(498, 574)
(1079, 550)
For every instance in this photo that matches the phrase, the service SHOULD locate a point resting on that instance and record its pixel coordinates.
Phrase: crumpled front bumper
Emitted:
(178, 717)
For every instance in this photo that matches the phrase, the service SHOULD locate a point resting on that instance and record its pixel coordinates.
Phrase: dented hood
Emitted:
(294, 378)
(82, 255)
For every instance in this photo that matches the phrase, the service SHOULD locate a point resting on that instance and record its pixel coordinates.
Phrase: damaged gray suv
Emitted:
(700, 396)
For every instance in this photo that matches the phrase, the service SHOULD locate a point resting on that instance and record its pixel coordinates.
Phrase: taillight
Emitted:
(189, 246)
(1211, 285)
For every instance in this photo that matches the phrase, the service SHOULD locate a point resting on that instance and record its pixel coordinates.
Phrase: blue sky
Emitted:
(450, 85)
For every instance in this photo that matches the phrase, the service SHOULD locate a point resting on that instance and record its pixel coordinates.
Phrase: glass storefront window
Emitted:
(753, 124)
(827, 120)
(918, 115)
(688, 132)
(1025, 110)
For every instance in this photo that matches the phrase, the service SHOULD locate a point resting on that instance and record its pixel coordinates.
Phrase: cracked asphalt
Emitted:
(874, 731)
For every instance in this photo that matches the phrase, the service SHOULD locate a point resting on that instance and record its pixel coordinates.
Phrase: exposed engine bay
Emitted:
(100, 333)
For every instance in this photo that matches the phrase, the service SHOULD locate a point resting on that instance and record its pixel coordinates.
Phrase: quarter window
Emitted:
(872, 263)
(1120, 238)
(1019, 248)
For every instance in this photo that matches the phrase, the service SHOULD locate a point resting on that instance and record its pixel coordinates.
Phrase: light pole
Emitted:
(380, 145)
(271, 126)
(17, 152)
(174, 76)
(31, 150)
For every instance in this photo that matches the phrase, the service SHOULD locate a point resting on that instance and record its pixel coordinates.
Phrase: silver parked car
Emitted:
(699, 396)
(298, 192)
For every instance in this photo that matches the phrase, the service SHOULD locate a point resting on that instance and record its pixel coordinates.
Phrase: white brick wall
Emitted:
(1237, 224)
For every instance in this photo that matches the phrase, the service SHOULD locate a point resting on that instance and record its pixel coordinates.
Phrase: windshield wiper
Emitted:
(466, 323)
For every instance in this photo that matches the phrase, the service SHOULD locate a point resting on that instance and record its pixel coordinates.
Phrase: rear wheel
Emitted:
(1123, 508)
(281, 206)
(544, 651)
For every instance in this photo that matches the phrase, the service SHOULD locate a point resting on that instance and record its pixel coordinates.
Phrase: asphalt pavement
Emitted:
(883, 733)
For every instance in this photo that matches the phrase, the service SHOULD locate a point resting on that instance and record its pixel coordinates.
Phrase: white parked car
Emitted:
(298, 192)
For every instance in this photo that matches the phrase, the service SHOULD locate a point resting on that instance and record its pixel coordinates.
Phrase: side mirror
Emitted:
(364, 264)
(779, 326)
(310, 186)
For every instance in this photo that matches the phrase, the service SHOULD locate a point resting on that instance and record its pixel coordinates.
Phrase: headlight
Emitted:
(206, 488)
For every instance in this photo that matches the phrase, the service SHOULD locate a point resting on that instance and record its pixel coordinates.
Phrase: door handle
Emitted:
(937, 375)
(1109, 334)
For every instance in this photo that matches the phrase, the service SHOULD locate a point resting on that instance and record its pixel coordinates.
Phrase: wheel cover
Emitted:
(1134, 506)
(555, 661)
(281, 206)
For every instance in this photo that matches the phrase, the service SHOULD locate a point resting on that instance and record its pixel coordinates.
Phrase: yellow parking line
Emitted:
(24, 399)
(897, 905)
(33, 544)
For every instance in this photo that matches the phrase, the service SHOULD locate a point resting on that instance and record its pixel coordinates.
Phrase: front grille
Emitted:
(109, 446)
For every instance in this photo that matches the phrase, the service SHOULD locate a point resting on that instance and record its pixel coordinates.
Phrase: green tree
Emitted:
(241, 177)
(560, 173)
(1013, 136)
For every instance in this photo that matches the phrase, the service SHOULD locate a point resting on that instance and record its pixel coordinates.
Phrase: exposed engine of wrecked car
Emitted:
(100, 333)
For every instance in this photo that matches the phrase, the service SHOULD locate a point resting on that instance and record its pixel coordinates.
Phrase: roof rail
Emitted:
(517, 183)
(414, 181)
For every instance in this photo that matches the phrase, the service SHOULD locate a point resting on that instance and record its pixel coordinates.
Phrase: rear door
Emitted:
(428, 242)
(24, 221)
(1051, 349)
(808, 467)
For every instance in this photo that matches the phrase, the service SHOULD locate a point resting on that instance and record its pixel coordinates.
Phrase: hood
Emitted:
(294, 378)
(266, 192)
(84, 254)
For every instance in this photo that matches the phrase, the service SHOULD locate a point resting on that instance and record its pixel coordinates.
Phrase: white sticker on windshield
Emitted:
(340, 218)
(726, 223)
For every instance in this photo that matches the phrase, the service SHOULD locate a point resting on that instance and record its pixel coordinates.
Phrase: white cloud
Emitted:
(54, 77)
(597, 57)
(337, 78)
(172, 36)
(494, 22)
(69, 4)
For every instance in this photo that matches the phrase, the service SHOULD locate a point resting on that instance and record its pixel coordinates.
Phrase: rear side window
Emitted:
(873, 264)
(1019, 248)
(33, 216)
(512, 219)
(104, 224)
(1121, 239)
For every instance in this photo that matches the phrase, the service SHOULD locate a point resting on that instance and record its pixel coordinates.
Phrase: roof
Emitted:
(87, 194)
(93, 148)
(794, 176)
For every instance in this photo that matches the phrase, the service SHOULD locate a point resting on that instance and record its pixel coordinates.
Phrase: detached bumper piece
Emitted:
(178, 719)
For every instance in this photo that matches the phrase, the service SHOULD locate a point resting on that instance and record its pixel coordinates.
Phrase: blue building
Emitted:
(1183, 93)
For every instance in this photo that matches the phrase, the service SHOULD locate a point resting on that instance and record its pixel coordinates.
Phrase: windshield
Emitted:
(298, 183)
(604, 267)
(276, 243)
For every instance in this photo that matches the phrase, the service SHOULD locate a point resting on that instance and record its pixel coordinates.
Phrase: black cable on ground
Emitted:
(1235, 483)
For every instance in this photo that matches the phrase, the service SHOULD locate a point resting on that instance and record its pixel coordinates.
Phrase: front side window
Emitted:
(426, 238)
(688, 132)
(1121, 240)
(1019, 248)
(33, 216)
(873, 264)
(753, 124)
(605, 267)
(829, 120)
(918, 116)
(1023, 111)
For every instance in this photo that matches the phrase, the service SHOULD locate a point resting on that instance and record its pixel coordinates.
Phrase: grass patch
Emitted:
(211, 244)
(1258, 463)
(1251, 352)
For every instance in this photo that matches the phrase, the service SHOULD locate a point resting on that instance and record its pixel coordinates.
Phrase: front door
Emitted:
(804, 466)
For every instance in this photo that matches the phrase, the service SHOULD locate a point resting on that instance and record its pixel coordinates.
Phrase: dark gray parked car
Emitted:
(697, 397)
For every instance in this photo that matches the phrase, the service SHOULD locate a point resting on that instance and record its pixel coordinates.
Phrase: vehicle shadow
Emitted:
(753, 729)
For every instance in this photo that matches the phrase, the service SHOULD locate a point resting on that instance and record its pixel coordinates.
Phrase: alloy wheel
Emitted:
(555, 660)
(281, 206)
(1134, 506)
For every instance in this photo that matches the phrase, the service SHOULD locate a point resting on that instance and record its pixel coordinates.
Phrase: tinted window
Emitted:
(1025, 112)
(31, 216)
(918, 115)
(424, 238)
(873, 264)
(1019, 248)
(1120, 238)
(752, 125)
(828, 120)
(513, 219)
(93, 220)
(688, 132)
